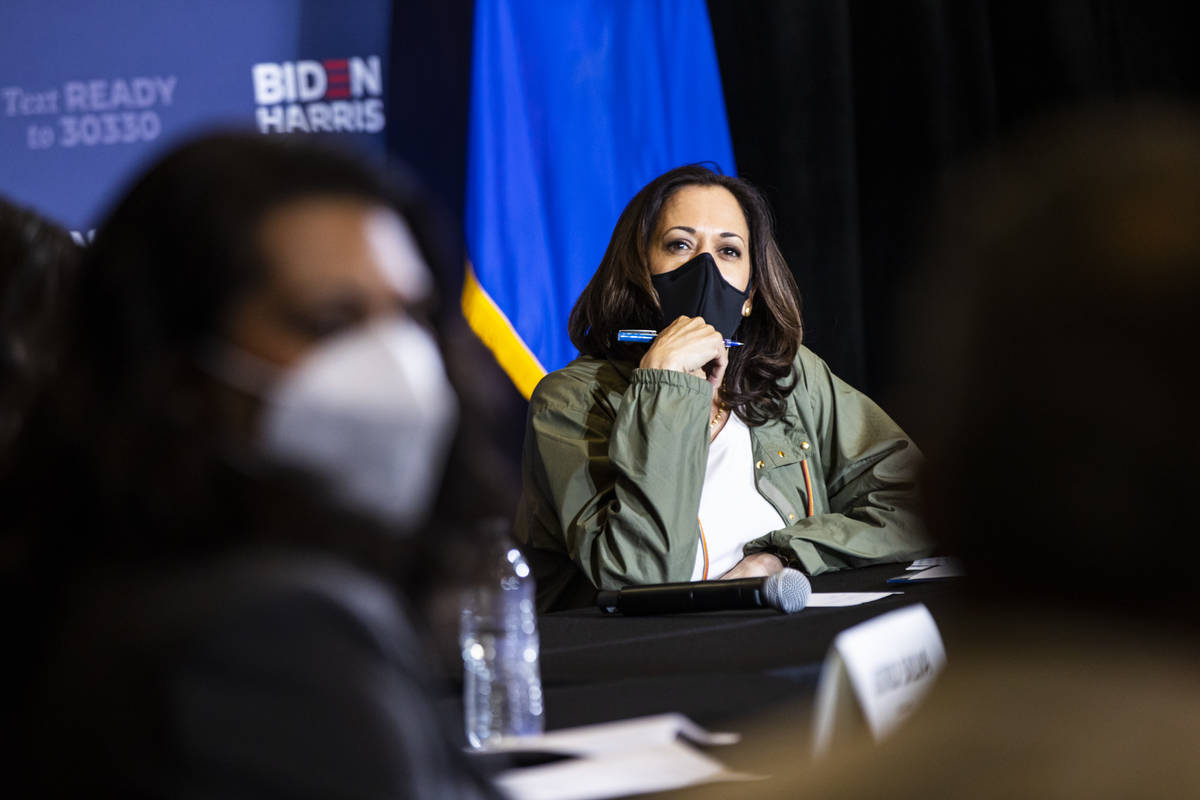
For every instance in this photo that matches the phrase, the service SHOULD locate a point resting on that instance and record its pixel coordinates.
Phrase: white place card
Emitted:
(876, 673)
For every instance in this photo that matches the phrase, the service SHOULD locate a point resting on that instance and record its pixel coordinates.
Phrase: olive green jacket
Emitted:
(614, 462)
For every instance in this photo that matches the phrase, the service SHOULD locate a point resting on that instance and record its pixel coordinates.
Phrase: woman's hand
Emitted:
(691, 345)
(757, 565)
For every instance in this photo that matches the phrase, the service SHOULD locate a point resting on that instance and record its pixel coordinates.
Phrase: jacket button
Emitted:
(758, 465)
(781, 454)
(804, 445)
(791, 516)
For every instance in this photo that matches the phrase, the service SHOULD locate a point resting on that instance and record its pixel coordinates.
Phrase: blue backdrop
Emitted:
(89, 91)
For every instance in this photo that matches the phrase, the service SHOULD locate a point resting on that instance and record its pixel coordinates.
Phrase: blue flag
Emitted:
(575, 105)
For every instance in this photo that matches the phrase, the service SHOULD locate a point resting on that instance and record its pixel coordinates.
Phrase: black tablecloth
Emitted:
(716, 667)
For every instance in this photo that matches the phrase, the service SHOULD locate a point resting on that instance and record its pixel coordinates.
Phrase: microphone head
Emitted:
(608, 601)
(787, 590)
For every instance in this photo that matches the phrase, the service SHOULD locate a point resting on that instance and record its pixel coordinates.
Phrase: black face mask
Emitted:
(697, 289)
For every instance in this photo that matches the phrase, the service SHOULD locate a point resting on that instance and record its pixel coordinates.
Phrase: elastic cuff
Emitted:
(643, 376)
(809, 560)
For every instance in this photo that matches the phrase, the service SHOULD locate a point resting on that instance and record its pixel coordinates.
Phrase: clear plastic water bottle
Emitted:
(502, 684)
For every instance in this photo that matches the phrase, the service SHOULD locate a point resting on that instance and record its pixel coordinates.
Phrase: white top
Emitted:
(732, 512)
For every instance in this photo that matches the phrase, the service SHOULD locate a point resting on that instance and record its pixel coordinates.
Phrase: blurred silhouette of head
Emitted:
(238, 275)
(272, 244)
(38, 262)
(1063, 324)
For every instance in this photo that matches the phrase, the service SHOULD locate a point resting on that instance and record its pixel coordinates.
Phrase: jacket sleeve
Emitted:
(616, 486)
(270, 674)
(322, 705)
(870, 470)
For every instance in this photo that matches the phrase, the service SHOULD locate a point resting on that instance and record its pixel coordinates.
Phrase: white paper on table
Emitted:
(836, 599)
(661, 767)
(611, 737)
(952, 570)
(937, 561)
(926, 563)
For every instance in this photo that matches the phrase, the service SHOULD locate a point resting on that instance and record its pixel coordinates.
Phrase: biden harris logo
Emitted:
(336, 95)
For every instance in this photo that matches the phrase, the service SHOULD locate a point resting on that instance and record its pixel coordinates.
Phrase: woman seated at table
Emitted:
(692, 458)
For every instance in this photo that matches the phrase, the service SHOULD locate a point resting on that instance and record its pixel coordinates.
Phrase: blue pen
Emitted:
(648, 336)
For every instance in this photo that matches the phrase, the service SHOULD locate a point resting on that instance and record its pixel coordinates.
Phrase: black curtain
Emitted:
(428, 96)
(848, 113)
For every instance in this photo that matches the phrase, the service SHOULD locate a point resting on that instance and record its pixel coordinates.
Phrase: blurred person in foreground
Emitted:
(221, 513)
(691, 459)
(1061, 330)
(38, 264)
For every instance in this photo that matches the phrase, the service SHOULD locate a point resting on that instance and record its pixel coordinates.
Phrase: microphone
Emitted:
(786, 591)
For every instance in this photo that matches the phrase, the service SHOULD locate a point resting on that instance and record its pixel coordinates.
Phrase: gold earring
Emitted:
(746, 309)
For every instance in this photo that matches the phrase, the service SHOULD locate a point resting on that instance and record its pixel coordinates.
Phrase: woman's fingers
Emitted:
(757, 565)
(689, 344)
(715, 369)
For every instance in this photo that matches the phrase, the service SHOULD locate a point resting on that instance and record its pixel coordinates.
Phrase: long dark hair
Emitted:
(620, 295)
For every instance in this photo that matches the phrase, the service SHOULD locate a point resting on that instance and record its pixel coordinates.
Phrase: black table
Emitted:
(753, 672)
(717, 667)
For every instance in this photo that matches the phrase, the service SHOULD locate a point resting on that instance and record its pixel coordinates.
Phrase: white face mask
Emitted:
(371, 411)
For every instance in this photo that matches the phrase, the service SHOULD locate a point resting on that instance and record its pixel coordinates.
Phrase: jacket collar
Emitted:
(624, 368)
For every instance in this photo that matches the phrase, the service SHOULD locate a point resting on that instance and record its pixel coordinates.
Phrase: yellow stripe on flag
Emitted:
(497, 333)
